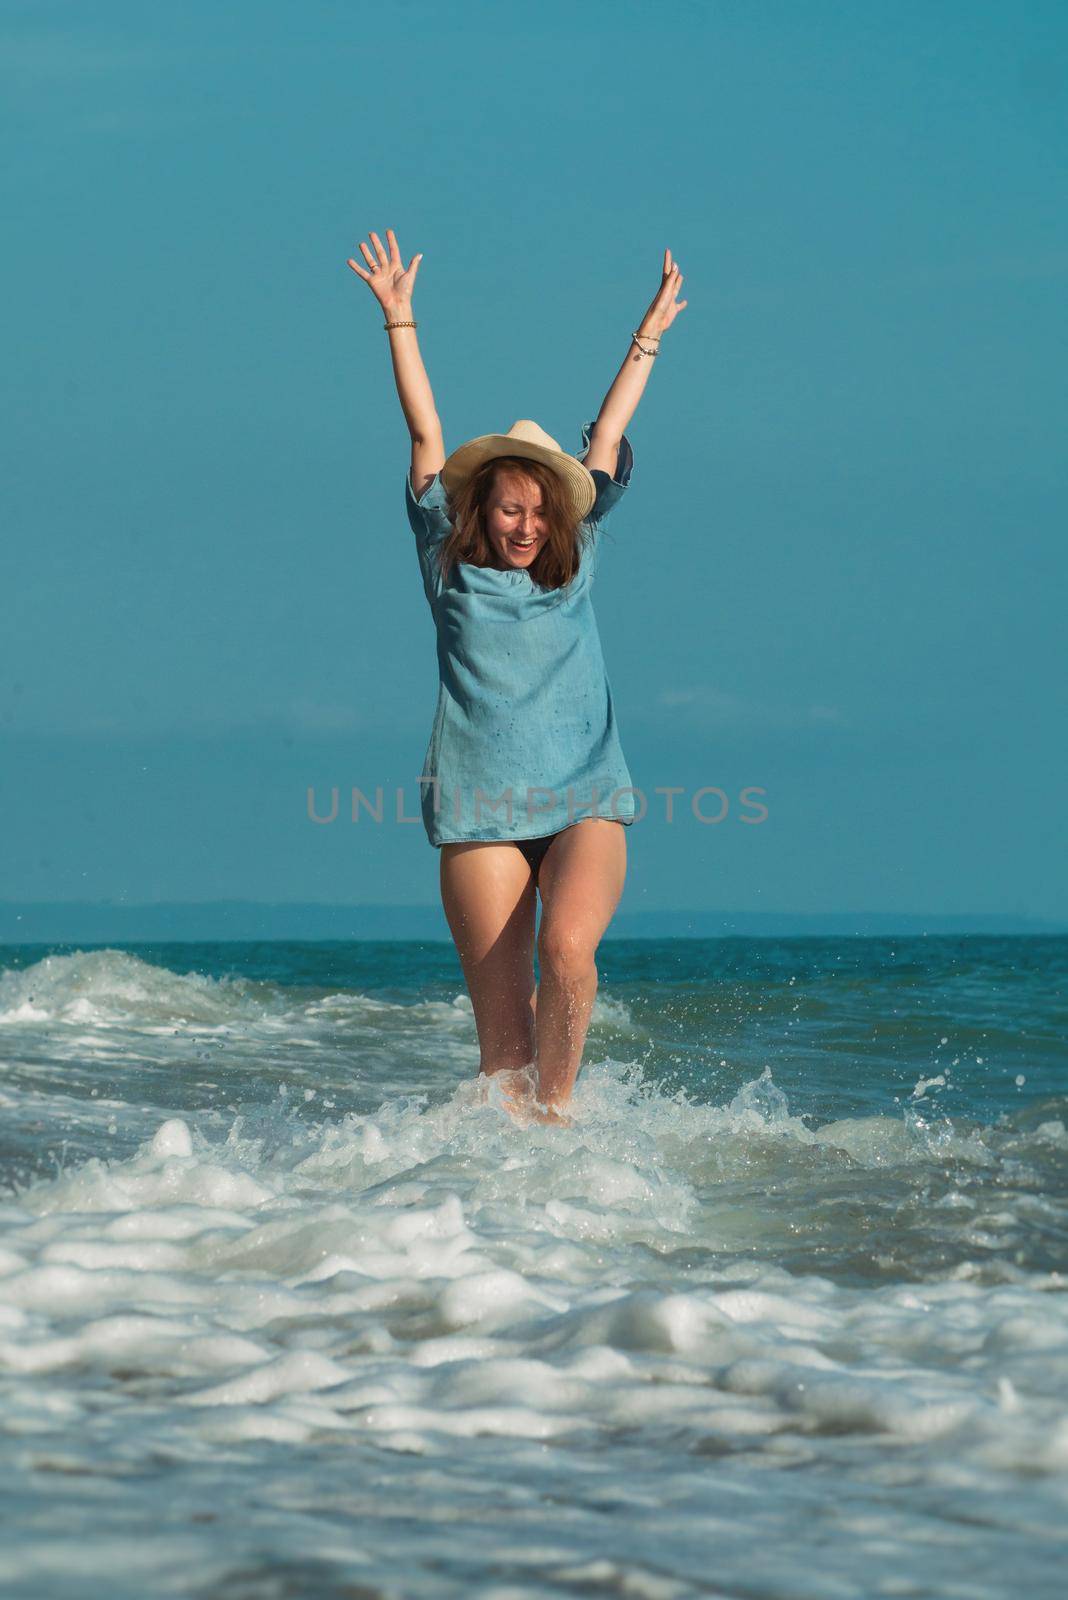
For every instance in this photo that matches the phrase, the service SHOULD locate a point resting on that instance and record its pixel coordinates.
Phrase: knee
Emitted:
(568, 956)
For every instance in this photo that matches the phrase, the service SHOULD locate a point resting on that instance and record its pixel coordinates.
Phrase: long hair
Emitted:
(557, 561)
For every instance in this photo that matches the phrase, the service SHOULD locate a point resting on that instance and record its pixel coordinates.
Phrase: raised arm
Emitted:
(392, 286)
(621, 401)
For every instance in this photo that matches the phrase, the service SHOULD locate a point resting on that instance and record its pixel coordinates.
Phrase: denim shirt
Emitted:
(524, 740)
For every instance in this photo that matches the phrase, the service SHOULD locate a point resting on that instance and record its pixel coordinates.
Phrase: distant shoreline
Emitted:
(52, 922)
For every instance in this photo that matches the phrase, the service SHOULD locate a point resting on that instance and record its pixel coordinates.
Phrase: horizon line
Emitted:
(434, 905)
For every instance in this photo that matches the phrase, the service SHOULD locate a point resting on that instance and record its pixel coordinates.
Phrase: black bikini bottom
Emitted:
(534, 850)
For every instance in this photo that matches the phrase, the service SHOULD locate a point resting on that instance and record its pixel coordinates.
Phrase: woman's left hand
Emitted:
(664, 308)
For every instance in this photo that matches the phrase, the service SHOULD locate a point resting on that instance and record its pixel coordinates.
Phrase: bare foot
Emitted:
(514, 1089)
(517, 1095)
(532, 1111)
(555, 1114)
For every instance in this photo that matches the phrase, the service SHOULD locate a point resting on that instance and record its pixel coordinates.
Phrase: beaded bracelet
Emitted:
(400, 324)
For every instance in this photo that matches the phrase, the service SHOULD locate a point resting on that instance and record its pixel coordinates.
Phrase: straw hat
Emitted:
(522, 439)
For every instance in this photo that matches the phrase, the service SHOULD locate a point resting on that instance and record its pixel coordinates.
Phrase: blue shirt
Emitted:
(524, 740)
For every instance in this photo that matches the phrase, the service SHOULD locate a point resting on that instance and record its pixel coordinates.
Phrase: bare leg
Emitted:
(490, 905)
(581, 881)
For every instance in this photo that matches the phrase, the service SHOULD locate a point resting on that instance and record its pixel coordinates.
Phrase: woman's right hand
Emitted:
(387, 278)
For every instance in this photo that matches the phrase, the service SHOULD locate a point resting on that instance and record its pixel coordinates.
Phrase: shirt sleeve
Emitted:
(428, 518)
(610, 490)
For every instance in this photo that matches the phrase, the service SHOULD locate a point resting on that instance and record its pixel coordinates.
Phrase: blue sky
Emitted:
(837, 576)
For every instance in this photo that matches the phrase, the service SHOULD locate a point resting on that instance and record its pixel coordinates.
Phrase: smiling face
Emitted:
(515, 519)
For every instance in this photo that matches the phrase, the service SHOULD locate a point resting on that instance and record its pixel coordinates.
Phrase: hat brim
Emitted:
(577, 479)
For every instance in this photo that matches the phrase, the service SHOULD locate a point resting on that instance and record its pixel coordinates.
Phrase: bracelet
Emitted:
(653, 336)
(400, 324)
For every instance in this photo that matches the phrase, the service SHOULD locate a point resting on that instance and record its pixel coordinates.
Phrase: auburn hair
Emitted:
(557, 561)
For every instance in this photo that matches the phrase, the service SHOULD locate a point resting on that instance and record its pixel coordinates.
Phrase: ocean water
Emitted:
(288, 1309)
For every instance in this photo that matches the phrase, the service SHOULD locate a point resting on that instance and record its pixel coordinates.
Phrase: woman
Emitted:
(524, 787)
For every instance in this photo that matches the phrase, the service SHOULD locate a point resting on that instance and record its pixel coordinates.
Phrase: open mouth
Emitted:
(522, 544)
